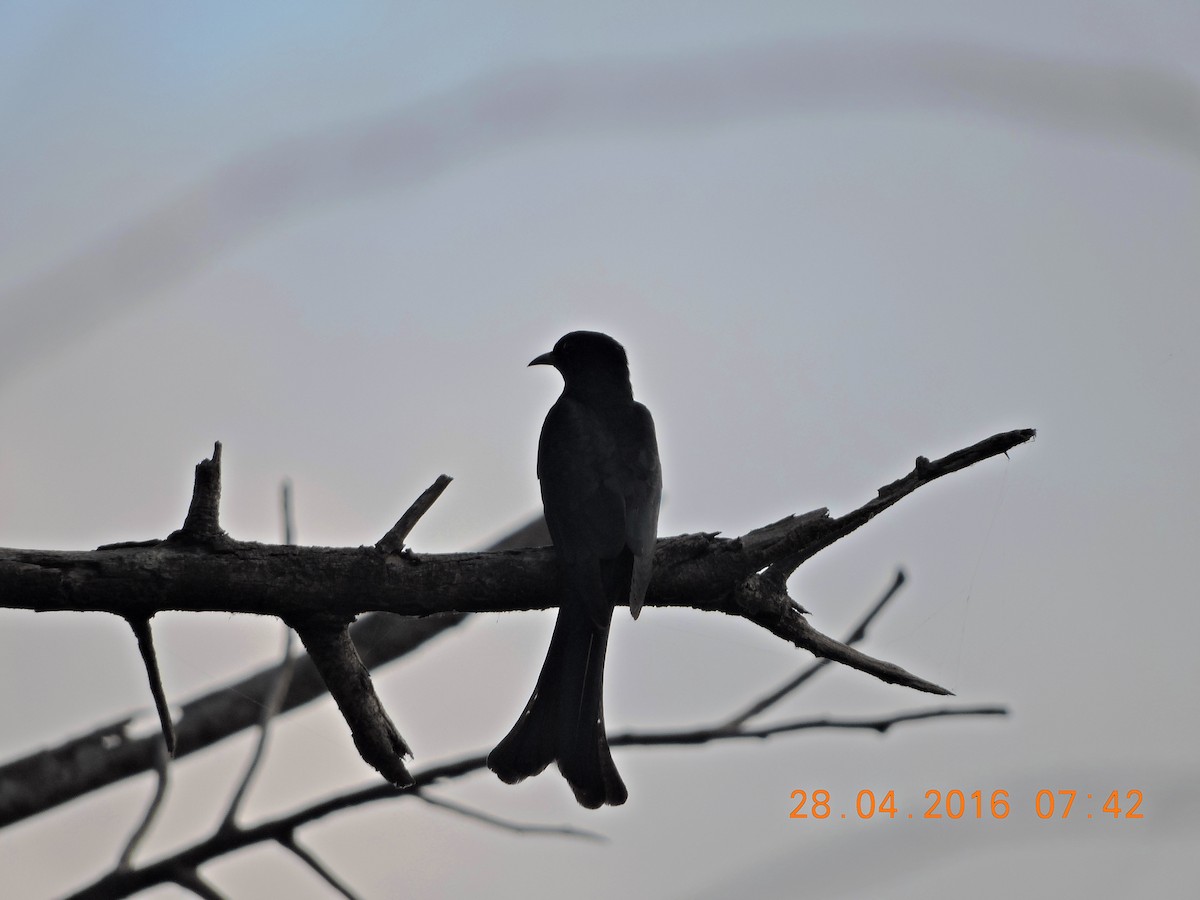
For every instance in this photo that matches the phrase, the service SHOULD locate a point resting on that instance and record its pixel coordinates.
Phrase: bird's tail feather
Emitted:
(564, 718)
(532, 744)
(584, 757)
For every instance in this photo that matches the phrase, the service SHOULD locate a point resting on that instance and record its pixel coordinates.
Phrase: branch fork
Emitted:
(326, 639)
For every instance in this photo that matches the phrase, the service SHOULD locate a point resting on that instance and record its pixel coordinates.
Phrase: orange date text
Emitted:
(956, 804)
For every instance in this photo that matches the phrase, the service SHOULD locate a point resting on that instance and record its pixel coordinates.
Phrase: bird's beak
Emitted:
(546, 359)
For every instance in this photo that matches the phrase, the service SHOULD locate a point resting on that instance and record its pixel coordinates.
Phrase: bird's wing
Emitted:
(642, 484)
(577, 464)
(601, 484)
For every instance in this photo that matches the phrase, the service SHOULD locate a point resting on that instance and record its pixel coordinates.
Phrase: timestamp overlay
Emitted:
(955, 804)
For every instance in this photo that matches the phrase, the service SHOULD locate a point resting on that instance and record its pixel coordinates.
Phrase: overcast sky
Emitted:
(832, 236)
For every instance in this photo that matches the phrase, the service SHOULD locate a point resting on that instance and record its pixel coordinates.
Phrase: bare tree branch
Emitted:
(722, 733)
(320, 588)
(110, 753)
(229, 837)
(766, 602)
(123, 884)
(349, 682)
(698, 571)
(856, 634)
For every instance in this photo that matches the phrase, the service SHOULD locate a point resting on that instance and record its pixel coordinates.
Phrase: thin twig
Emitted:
(720, 733)
(924, 471)
(270, 710)
(289, 525)
(393, 541)
(289, 842)
(189, 879)
(508, 824)
(162, 764)
(860, 630)
(145, 642)
(279, 687)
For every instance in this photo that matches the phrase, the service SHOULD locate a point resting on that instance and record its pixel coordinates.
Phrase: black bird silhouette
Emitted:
(601, 485)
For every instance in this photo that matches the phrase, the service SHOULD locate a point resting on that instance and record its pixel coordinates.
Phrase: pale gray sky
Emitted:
(899, 229)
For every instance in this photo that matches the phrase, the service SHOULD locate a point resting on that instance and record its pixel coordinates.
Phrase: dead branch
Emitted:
(110, 753)
(319, 591)
(856, 634)
(282, 830)
(228, 836)
(700, 571)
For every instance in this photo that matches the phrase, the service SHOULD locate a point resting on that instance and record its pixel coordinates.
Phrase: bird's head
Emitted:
(588, 360)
